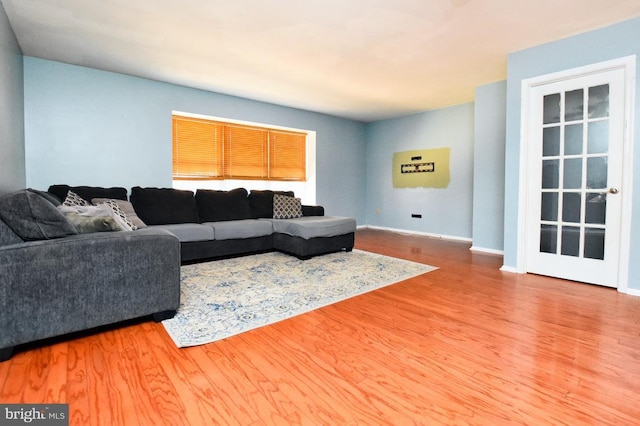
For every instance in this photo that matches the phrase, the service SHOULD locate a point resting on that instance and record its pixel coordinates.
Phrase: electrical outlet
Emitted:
(378, 210)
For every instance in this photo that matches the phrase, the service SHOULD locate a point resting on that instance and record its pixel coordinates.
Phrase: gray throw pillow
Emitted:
(88, 224)
(32, 217)
(7, 236)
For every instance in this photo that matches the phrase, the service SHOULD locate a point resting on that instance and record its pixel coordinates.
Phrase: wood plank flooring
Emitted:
(465, 344)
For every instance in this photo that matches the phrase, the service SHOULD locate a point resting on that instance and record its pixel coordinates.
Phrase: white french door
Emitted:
(575, 146)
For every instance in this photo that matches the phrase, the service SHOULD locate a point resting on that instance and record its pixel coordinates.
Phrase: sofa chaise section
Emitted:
(309, 236)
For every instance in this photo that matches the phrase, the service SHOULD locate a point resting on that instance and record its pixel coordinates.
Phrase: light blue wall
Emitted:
(12, 162)
(92, 127)
(596, 46)
(446, 212)
(488, 166)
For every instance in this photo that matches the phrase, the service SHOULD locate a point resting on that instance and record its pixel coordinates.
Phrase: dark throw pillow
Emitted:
(217, 206)
(32, 217)
(261, 202)
(163, 206)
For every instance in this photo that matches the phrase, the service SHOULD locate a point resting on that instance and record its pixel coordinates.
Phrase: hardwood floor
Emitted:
(465, 344)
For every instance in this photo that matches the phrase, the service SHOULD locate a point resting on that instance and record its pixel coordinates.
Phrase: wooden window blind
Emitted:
(287, 155)
(245, 156)
(197, 148)
(207, 149)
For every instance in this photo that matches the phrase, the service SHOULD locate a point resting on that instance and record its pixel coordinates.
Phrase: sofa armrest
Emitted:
(54, 287)
(312, 211)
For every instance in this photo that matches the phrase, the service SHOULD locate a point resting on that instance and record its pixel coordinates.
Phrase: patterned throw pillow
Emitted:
(127, 209)
(119, 216)
(285, 207)
(74, 199)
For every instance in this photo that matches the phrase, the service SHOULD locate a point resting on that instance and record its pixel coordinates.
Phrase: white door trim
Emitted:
(628, 64)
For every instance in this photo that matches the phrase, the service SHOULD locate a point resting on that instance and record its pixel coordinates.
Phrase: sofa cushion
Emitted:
(159, 206)
(261, 202)
(32, 217)
(312, 210)
(247, 228)
(126, 207)
(215, 206)
(188, 232)
(314, 226)
(285, 207)
(88, 192)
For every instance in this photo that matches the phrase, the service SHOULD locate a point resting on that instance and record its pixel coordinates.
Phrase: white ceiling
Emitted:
(360, 59)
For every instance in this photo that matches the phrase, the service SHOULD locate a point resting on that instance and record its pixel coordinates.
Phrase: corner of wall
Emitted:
(12, 143)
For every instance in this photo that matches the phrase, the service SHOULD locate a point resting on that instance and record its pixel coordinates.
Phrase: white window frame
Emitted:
(305, 190)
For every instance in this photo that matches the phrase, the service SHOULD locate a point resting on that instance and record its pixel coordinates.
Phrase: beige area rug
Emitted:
(226, 297)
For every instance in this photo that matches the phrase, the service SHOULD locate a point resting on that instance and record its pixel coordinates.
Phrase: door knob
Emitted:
(613, 190)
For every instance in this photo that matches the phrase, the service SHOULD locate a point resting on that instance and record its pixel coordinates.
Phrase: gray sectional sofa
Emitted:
(213, 224)
(55, 280)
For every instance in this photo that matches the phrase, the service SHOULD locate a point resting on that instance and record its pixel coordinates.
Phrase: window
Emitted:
(210, 149)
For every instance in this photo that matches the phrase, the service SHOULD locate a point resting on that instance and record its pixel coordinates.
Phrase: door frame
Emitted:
(628, 65)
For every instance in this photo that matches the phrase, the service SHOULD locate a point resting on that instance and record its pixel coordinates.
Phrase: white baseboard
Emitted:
(631, 291)
(510, 269)
(425, 234)
(486, 250)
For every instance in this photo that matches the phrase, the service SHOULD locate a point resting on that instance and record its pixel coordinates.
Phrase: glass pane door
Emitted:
(574, 187)
(574, 143)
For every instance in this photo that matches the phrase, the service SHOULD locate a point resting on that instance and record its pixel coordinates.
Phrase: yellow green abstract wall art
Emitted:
(426, 168)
